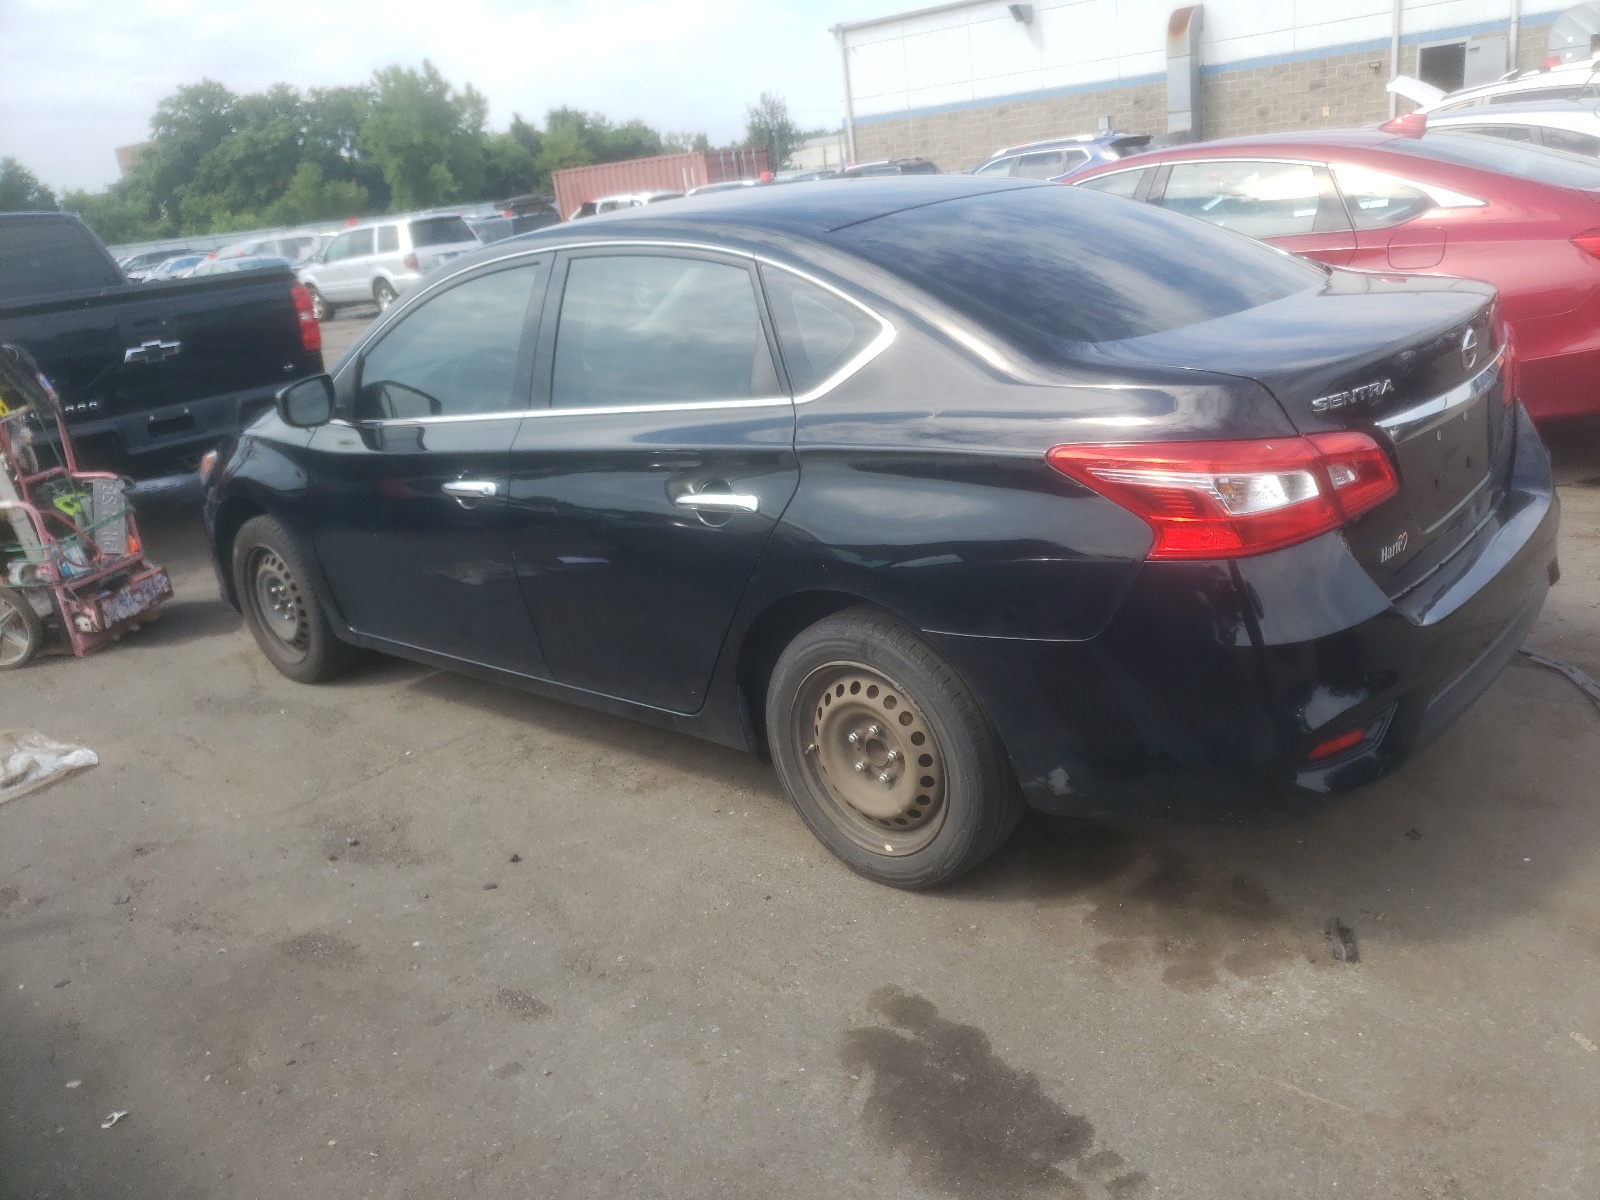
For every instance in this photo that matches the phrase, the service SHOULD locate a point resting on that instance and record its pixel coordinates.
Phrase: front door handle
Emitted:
(466, 491)
(725, 502)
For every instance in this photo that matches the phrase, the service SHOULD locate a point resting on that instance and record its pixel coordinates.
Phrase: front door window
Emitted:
(456, 355)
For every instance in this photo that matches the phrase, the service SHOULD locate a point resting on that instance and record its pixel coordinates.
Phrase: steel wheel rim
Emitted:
(15, 643)
(894, 803)
(275, 595)
(319, 306)
(385, 298)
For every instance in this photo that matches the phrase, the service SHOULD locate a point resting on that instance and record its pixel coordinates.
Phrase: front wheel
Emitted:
(280, 606)
(21, 631)
(885, 752)
(383, 293)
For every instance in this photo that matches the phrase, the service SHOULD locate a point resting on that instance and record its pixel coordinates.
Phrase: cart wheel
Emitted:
(21, 631)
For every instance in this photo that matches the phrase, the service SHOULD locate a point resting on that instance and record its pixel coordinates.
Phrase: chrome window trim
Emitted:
(1121, 171)
(885, 339)
(1407, 423)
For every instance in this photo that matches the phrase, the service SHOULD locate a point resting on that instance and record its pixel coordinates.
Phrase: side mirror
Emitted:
(307, 403)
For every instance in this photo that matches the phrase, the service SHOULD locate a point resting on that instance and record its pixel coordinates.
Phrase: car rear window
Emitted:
(440, 231)
(1526, 161)
(1049, 264)
(46, 256)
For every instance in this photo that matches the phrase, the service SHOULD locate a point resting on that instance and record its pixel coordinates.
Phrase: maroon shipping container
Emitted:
(663, 173)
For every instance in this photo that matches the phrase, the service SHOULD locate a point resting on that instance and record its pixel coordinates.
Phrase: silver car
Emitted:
(1570, 125)
(375, 262)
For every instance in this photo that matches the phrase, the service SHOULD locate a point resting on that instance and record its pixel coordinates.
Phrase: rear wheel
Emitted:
(885, 752)
(280, 606)
(383, 293)
(321, 310)
(21, 631)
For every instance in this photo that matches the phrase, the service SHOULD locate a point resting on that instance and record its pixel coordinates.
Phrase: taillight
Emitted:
(411, 262)
(310, 331)
(1588, 241)
(1207, 500)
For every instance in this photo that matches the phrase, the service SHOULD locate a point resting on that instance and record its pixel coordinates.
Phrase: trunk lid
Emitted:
(1413, 362)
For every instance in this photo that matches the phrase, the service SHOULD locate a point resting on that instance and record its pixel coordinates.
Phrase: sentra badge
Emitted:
(1365, 394)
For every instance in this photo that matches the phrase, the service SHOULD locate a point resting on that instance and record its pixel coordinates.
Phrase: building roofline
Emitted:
(869, 22)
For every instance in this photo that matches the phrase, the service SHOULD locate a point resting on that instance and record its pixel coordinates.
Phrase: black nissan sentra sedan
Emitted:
(952, 495)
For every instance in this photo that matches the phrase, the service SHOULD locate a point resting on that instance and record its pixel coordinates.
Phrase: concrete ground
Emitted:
(416, 936)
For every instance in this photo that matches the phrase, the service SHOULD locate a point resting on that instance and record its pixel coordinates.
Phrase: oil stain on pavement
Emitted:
(968, 1124)
(1153, 907)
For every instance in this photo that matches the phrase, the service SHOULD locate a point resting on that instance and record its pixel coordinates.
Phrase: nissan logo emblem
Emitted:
(1469, 349)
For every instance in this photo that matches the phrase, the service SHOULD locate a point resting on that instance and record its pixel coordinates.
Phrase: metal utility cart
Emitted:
(70, 555)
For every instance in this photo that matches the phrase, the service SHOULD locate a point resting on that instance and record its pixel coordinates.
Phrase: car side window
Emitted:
(646, 329)
(1118, 183)
(337, 249)
(1572, 141)
(1071, 160)
(1377, 201)
(455, 354)
(818, 331)
(360, 243)
(1261, 199)
(388, 239)
(1046, 164)
(999, 167)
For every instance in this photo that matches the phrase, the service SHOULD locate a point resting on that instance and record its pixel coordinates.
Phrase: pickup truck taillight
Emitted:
(1207, 500)
(310, 331)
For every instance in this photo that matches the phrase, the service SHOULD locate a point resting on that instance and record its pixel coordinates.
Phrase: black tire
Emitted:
(930, 792)
(21, 631)
(321, 310)
(281, 607)
(383, 294)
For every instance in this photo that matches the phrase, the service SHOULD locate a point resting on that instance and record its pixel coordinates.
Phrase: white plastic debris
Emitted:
(29, 761)
(113, 1119)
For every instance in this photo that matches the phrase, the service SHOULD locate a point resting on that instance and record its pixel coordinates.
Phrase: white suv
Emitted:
(374, 263)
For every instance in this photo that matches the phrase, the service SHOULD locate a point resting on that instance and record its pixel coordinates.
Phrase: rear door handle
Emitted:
(464, 491)
(728, 502)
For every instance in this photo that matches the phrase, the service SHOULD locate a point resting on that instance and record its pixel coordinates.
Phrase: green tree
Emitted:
(309, 197)
(426, 137)
(509, 168)
(21, 191)
(113, 214)
(678, 142)
(563, 147)
(767, 124)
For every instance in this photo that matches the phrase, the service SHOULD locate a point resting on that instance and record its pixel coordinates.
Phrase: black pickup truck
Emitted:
(151, 374)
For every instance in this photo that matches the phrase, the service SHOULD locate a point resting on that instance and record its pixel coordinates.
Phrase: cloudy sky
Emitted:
(80, 77)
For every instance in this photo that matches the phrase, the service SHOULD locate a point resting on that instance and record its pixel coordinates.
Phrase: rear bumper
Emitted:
(1209, 689)
(149, 442)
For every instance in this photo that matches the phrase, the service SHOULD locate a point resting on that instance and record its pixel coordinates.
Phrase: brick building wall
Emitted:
(1335, 92)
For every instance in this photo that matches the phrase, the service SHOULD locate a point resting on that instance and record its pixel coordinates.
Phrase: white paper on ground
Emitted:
(29, 761)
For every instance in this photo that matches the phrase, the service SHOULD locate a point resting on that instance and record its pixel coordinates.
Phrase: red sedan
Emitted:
(1522, 217)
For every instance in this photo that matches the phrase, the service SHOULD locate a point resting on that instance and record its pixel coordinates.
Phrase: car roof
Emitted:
(1075, 139)
(1561, 75)
(814, 208)
(1490, 113)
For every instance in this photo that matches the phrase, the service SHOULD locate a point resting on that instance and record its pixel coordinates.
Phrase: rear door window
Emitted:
(1571, 141)
(1261, 199)
(820, 332)
(644, 329)
(1377, 201)
(1045, 164)
(360, 243)
(439, 231)
(388, 239)
(456, 354)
